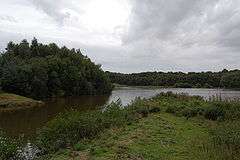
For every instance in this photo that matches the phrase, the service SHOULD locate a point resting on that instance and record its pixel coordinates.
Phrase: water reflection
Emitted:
(28, 121)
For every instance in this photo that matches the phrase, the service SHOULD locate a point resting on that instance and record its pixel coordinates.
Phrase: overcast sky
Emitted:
(132, 35)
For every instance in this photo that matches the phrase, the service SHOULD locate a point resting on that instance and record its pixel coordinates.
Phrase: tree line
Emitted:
(37, 70)
(222, 79)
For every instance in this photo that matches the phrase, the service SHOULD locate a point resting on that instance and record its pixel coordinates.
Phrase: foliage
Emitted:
(182, 85)
(231, 80)
(225, 78)
(227, 133)
(8, 148)
(69, 128)
(222, 110)
(158, 136)
(213, 113)
(37, 70)
(222, 136)
(73, 130)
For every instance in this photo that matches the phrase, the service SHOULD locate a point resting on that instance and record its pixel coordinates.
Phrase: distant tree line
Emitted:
(223, 79)
(38, 70)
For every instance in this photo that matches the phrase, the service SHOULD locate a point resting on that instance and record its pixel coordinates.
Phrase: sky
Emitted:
(132, 35)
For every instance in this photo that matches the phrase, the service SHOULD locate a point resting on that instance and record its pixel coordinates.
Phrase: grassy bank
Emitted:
(12, 102)
(168, 126)
(158, 136)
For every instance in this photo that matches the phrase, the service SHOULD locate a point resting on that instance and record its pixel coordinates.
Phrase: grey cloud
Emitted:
(161, 18)
(163, 35)
(187, 35)
(53, 8)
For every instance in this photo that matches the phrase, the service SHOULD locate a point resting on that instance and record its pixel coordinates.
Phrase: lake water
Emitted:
(26, 122)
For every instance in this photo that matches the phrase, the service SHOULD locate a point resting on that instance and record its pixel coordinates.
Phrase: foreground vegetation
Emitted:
(168, 126)
(36, 70)
(223, 79)
(12, 102)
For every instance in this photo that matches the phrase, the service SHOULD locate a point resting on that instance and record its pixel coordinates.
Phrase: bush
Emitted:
(69, 128)
(189, 112)
(176, 109)
(143, 112)
(115, 115)
(143, 107)
(223, 110)
(213, 112)
(171, 109)
(154, 110)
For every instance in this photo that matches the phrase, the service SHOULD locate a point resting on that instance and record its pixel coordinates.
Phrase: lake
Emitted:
(26, 122)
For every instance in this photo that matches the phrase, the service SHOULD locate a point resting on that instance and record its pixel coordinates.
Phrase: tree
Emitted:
(24, 49)
(34, 47)
(41, 71)
(231, 79)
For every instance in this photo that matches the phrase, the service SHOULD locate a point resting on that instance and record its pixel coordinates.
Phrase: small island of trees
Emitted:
(37, 70)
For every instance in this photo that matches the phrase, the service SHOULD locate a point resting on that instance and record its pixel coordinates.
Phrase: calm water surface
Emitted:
(28, 121)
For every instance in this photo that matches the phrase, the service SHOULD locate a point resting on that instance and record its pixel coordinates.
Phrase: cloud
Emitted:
(7, 18)
(163, 35)
(184, 35)
(53, 8)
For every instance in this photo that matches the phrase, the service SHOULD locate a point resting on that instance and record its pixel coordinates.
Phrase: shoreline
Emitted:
(11, 102)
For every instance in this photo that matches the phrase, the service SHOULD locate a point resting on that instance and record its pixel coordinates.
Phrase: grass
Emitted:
(8, 147)
(168, 126)
(159, 136)
(12, 102)
(186, 128)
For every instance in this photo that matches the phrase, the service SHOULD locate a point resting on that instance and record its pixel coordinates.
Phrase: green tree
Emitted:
(41, 71)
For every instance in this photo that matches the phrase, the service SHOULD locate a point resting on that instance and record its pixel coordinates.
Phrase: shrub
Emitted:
(69, 128)
(223, 110)
(171, 109)
(143, 111)
(154, 110)
(115, 115)
(213, 112)
(143, 107)
(189, 112)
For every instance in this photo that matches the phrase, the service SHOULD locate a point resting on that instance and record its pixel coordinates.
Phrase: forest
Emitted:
(39, 71)
(222, 79)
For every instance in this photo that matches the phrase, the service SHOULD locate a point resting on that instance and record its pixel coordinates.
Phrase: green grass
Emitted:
(186, 128)
(168, 126)
(11, 102)
(8, 147)
(159, 136)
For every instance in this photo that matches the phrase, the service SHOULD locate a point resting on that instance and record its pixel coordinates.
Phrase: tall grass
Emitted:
(8, 147)
(69, 128)
(224, 141)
